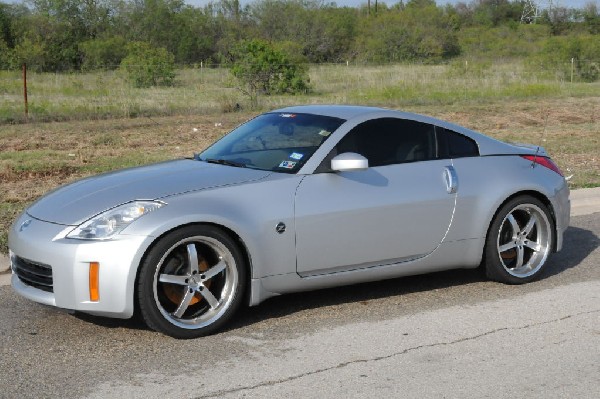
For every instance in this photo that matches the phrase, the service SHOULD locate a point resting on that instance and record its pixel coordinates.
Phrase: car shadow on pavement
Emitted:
(134, 323)
(578, 244)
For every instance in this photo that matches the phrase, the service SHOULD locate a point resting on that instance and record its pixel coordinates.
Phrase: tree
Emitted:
(417, 33)
(6, 32)
(591, 18)
(147, 66)
(103, 53)
(497, 12)
(261, 69)
(7, 36)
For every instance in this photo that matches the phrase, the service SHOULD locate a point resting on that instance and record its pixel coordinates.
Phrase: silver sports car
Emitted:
(296, 199)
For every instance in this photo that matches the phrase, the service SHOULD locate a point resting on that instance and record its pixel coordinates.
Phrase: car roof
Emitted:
(487, 145)
(349, 112)
(337, 111)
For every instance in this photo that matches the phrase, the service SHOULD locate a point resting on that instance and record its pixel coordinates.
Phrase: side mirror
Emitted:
(349, 161)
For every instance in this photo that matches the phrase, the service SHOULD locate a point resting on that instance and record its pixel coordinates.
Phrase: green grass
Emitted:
(102, 95)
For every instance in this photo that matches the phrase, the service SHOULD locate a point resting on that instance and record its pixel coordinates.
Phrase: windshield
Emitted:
(280, 142)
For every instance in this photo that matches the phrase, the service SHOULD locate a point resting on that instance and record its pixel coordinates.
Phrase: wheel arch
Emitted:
(231, 233)
(535, 194)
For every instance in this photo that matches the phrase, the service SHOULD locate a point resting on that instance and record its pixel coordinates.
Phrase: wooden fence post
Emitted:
(25, 91)
(572, 68)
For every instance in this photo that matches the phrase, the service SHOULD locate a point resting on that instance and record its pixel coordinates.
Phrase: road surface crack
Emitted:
(379, 358)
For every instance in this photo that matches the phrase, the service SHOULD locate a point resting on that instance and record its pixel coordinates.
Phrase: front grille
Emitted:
(34, 274)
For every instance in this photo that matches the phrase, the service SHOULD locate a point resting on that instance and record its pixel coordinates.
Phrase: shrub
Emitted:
(557, 53)
(502, 41)
(31, 53)
(261, 69)
(7, 56)
(103, 53)
(423, 34)
(147, 66)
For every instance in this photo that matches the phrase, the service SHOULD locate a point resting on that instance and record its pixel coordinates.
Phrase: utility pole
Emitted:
(530, 12)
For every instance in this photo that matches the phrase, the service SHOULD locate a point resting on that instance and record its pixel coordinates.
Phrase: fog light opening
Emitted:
(94, 281)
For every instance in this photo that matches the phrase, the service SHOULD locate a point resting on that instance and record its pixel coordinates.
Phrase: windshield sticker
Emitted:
(324, 133)
(288, 115)
(296, 155)
(287, 164)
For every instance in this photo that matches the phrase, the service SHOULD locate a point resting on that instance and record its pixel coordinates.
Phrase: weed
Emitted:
(105, 94)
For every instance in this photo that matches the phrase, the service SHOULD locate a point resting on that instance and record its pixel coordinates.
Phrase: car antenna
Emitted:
(537, 150)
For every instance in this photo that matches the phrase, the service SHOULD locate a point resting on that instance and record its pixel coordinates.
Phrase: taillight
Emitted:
(544, 161)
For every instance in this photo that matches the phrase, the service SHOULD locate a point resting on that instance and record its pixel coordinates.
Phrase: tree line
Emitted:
(74, 35)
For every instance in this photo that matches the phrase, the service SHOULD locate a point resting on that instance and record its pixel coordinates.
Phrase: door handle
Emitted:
(451, 179)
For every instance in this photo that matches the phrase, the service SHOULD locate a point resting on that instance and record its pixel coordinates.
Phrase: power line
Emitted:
(531, 10)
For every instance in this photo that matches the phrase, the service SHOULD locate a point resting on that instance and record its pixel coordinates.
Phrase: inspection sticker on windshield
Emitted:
(287, 164)
(296, 155)
(288, 115)
(324, 133)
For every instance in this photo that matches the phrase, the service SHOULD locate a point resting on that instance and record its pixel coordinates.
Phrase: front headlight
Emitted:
(113, 221)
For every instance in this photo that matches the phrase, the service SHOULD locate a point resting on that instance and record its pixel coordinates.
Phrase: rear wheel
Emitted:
(519, 241)
(191, 282)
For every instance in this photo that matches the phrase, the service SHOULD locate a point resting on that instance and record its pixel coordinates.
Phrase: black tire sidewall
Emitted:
(493, 266)
(145, 290)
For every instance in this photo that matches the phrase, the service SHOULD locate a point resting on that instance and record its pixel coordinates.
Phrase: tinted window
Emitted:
(459, 146)
(281, 142)
(389, 141)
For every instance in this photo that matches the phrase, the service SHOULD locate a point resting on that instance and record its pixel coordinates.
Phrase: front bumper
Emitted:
(45, 243)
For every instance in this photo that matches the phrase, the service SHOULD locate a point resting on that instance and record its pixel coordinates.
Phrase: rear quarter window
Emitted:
(459, 145)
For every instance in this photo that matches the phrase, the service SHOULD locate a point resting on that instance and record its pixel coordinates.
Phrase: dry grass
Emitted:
(105, 95)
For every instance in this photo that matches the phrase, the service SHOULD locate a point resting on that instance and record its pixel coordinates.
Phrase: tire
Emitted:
(191, 282)
(520, 239)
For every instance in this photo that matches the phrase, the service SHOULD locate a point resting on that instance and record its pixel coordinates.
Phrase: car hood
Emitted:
(74, 203)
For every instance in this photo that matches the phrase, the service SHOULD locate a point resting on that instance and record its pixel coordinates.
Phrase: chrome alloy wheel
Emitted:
(524, 240)
(195, 281)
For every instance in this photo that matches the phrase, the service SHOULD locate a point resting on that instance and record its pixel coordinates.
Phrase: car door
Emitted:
(398, 209)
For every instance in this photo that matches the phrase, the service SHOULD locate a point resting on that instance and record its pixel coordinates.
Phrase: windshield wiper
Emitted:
(222, 161)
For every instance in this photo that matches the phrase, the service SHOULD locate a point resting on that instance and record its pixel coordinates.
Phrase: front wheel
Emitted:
(191, 282)
(519, 241)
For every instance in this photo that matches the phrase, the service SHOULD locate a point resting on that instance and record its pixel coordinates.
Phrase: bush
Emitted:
(7, 56)
(557, 53)
(417, 33)
(261, 69)
(147, 66)
(502, 41)
(31, 53)
(103, 53)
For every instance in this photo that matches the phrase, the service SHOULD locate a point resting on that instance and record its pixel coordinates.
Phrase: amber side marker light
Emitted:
(94, 281)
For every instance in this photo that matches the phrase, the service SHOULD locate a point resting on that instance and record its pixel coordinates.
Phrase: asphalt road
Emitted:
(449, 334)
